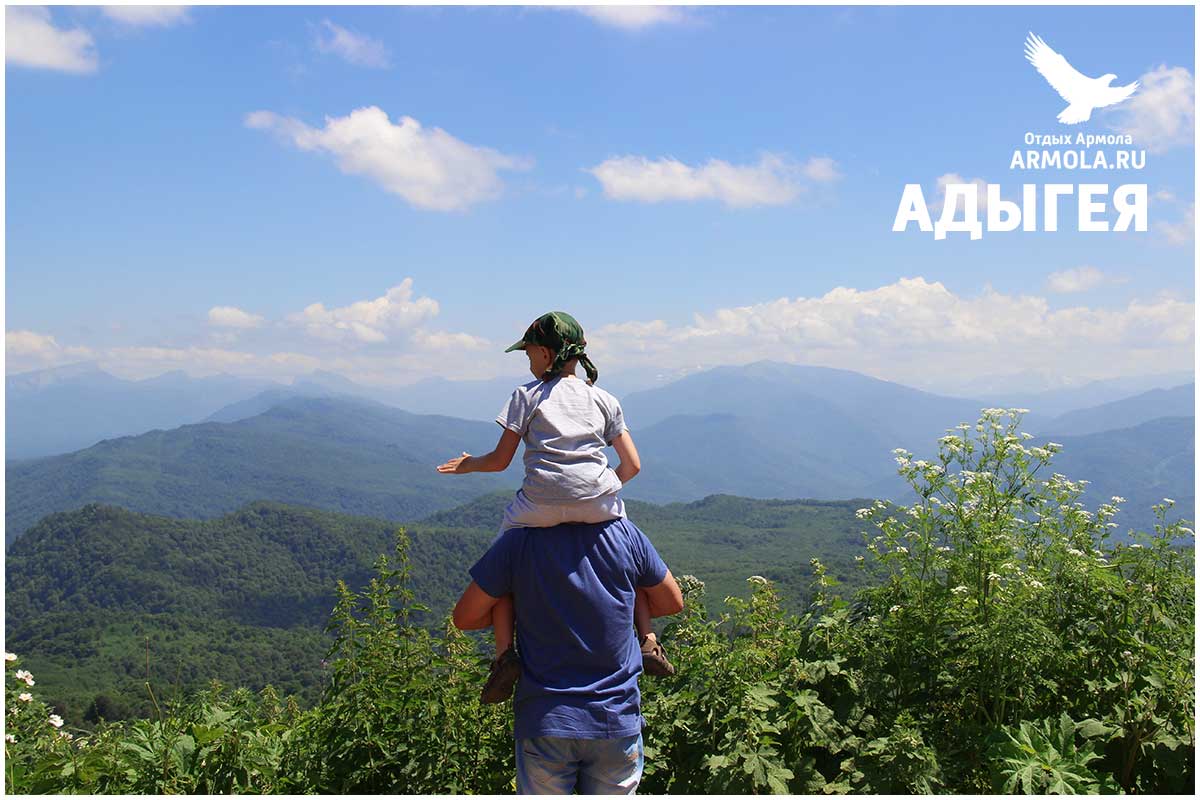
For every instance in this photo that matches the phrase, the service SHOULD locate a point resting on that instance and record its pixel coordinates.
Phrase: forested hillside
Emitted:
(243, 598)
(345, 455)
(1004, 643)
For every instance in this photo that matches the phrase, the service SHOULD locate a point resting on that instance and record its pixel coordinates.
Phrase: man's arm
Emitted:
(474, 609)
(630, 463)
(495, 461)
(664, 599)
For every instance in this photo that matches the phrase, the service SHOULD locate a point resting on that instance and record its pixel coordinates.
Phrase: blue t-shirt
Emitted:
(573, 587)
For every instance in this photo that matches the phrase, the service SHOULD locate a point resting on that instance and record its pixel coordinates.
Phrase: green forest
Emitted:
(991, 636)
(244, 598)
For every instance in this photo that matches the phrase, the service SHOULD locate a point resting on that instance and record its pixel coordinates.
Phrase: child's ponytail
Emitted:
(568, 351)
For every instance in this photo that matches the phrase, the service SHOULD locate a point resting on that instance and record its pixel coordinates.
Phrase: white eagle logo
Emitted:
(1081, 92)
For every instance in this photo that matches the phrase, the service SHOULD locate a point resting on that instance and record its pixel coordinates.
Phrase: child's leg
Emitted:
(504, 622)
(641, 615)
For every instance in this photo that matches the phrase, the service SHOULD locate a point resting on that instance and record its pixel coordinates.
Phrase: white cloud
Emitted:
(1165, 195)
(634, 18)
(772, 181)
(821, 170)
(26, 350)
(1181, 232)
(1079, 279)
(442, 340)
(953, 177)
(148, 16)
(28, 343)
(386, 340)
(428, 167)
(355, 48)
(230, 317)
(31, 40)
(1162, 113)
(367, 321)
(914, 332)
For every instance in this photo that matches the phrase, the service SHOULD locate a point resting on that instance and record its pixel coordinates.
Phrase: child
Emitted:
(565, 424)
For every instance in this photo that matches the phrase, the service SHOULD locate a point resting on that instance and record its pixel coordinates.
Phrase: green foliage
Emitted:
(1042, 758)
(243, 598)
(999, 613)
(401, 713)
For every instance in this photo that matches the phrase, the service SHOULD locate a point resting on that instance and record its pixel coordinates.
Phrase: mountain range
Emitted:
(60, 410)
(341, 454)
(765, 430)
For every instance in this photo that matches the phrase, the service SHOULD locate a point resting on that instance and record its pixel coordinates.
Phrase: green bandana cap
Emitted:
(558, 331)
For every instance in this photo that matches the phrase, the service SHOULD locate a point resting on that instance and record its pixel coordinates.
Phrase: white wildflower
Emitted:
(993, 576)
(960, 590)
(943, 549)
(1136, 546)
(65, 735)
(859, 559)
(1035, 584)
(901, 548)
(1074, 552)
(23, 675)
(894, 609)
(8, 737)
(1118, 499)
(25, 697)
(759, 579)
(1168, 501)
(56, 720)
(1026, 436)
(862, 513)
(10, 656)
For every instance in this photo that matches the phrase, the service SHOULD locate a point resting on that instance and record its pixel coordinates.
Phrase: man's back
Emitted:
(573, 588)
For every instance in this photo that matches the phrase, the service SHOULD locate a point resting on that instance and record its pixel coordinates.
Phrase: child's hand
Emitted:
(455, 465)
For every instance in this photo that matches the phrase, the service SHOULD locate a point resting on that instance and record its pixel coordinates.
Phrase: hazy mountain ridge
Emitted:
(766, 430)
(348, 455)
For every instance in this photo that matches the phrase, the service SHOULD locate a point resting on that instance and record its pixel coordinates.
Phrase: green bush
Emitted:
(1007, 644)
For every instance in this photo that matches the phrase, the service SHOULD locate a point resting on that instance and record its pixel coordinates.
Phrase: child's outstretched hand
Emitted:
(455, 465)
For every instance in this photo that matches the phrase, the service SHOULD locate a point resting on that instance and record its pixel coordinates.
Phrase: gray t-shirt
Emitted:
(565, 424)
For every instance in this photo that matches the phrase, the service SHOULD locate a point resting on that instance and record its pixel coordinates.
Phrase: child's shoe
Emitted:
(654, 660)
(503, 677)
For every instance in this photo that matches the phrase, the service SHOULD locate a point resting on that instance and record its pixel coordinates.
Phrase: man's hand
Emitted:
(456, 466)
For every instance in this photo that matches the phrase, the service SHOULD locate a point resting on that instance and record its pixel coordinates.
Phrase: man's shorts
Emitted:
(524, 513)
(554, 765)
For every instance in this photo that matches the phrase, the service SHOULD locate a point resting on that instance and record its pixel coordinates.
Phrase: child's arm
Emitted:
(495, 461)
(630, 463)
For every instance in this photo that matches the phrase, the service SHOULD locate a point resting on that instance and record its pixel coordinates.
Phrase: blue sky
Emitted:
(175, 199)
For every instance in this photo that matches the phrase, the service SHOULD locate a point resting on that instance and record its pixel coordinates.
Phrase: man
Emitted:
(577, 709)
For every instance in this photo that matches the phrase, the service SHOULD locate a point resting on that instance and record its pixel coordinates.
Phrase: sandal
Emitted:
(505, 671)
(654, 659)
